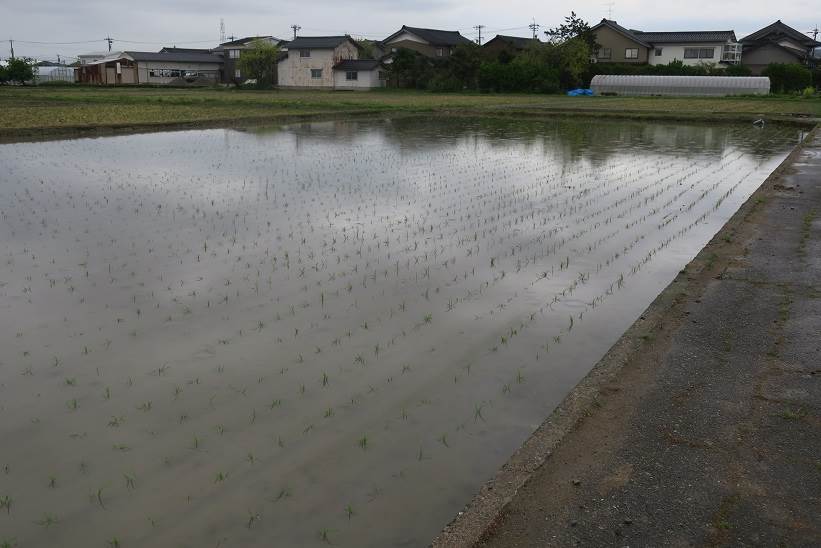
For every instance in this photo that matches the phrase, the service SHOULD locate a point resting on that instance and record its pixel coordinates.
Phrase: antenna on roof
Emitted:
(610, 9)
(534, 26)
(814, 33)
(296, 28)
(222, 30)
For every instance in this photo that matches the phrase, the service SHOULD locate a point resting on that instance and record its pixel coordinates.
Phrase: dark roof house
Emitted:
(777, 43)
(622, 45)
(508, 44)
(429, 42)
(317, 42)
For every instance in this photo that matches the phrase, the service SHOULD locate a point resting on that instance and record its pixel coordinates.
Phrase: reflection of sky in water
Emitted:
(409, 282)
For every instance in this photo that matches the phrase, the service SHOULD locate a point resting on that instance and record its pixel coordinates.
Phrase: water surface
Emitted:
(325, 332)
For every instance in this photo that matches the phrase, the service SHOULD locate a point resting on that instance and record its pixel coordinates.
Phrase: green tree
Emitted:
(259, 62)
(367, 49)
(573, 27)
(787, 77)
(20, 70)
(4, 77)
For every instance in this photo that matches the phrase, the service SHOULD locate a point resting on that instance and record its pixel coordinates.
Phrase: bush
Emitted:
(787, 78)
(816, 78)
(738, 70)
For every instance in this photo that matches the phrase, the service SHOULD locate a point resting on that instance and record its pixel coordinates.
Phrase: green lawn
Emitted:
(26, 110)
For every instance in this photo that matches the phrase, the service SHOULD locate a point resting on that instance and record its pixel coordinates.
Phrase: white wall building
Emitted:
(359, 74)
(691, 47)
(310, 61)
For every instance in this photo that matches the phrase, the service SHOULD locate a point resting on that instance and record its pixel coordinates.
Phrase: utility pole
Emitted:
(814, 33)
(109, 39)
(534, 26)
(479, 28)
(11, 45)
(296, 28)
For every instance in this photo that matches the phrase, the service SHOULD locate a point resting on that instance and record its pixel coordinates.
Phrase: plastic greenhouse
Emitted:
(615, 84)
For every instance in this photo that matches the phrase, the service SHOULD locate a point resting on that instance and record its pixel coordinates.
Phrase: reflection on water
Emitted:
(325, 332)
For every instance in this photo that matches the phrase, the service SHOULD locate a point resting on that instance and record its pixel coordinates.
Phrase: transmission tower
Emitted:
(222, 30)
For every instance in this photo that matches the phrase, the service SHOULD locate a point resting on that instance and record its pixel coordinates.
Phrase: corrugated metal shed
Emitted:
(614, 84)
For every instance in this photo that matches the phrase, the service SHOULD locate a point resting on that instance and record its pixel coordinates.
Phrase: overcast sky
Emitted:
(150, 24)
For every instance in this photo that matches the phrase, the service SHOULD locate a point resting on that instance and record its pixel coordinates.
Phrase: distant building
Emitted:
(309, 61)
(231, 53)
(428, 42)
(621, 45)
(777, 43)
(143, 67)
(507, 45)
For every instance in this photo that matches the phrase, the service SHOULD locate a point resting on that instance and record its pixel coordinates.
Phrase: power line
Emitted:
(479, 28)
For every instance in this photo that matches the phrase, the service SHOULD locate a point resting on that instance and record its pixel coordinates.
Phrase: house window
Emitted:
(304, 53)
(440, 52)
(658, 52)
(165, 73)
(631, 53)
(237, 74)
(351, 75)
(604, 53)
(233, 54)
(699, 53)
(383, 75)
(316, 73)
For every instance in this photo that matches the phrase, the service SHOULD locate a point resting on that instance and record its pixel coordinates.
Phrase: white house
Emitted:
(691, 47)
(359, 74)
(310, 61)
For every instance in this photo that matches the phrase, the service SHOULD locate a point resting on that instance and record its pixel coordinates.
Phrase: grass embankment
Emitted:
(34, 111)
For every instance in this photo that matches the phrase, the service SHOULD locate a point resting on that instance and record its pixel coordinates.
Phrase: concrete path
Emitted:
(711, 434)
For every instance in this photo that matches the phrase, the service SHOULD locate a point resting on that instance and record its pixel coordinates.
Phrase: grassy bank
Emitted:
(27, 110)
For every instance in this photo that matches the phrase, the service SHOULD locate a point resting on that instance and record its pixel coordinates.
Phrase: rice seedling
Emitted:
(5, 503)
(363, 442)
(48, 520)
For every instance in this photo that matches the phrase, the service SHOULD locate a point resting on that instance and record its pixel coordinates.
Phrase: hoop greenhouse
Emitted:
(614, 84)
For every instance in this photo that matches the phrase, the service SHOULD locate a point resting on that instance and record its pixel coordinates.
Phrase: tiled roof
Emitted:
(779, 28)
(357, 64)
(434, 37)
(621, 30)
(247, 40)
(174, 57)
(316, 42)
(515, 41)
(682, 37)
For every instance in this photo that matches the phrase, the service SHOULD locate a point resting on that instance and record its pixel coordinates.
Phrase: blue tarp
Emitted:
(579, 92)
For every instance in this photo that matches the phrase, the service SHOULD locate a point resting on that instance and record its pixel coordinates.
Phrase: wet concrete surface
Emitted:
(712, 435)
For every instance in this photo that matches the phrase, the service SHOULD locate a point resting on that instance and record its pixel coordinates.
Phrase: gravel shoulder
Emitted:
(702, 426)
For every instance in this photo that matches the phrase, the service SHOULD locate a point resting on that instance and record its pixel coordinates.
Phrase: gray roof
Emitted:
(434, 37)
(779, 28)
(175, 57)
(621, 30)
(687, 36)
(247, 40)
(175, 49)
(357, 64)
(316, 42)
(515, 41)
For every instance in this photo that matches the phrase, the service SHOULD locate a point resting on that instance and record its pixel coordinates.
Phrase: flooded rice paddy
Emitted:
(326, 333)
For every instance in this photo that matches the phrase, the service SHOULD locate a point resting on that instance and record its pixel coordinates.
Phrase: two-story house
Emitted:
(621, 45)
(777, 43)
(231, 53)
(310, 60)
(428, 42)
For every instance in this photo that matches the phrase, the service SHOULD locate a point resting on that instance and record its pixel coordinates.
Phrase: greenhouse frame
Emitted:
(616, 84)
